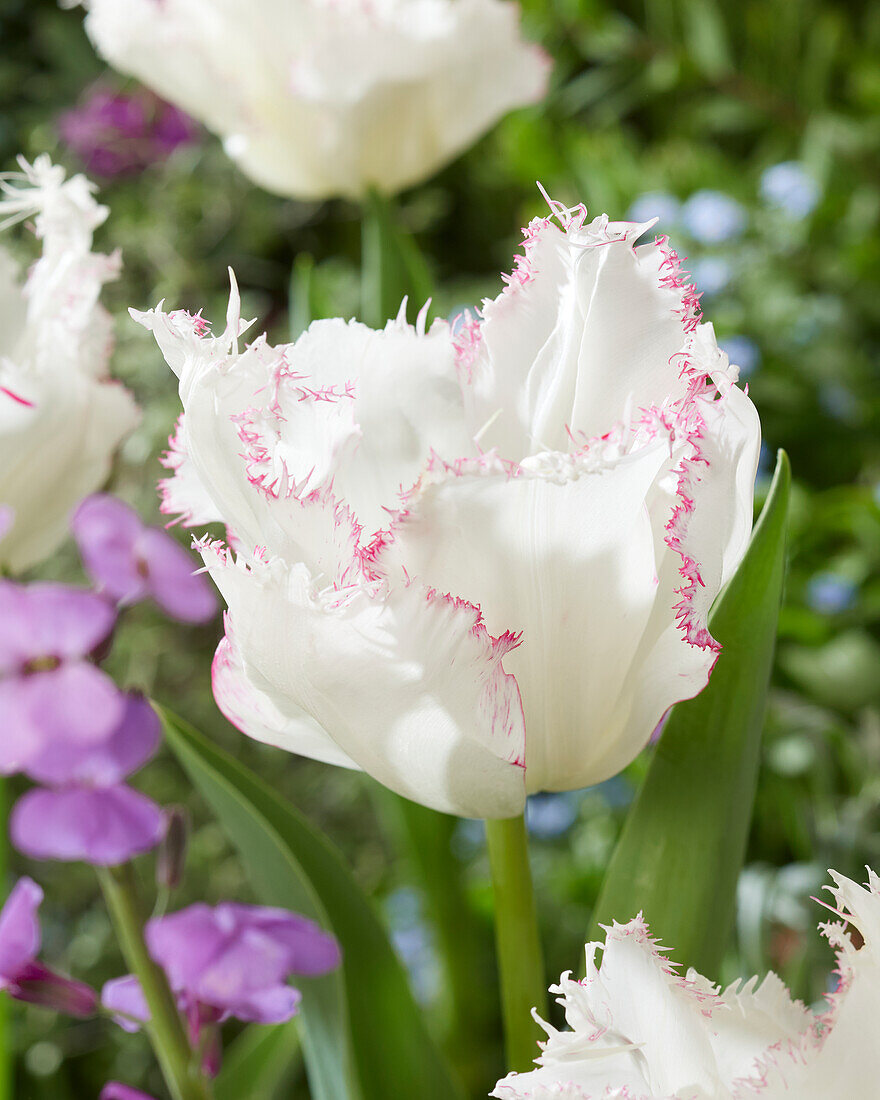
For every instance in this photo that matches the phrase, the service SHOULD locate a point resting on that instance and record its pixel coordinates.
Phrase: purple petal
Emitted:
(185, 944)
(274, 1005)
(103, 826)
(19, 929)
(106, 763)
(38, 985)
(107, 532)
(39, 621)
(74, 702)
(124, 995)
(113, 1090)
(309, 950)
(173, 583)
(230, 956)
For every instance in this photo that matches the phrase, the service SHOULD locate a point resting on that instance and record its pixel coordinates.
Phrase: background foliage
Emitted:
(670, 96)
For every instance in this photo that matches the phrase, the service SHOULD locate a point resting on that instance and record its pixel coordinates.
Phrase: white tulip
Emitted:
(61, 416)
(473, 566)
(315, 98)
(639, 1030)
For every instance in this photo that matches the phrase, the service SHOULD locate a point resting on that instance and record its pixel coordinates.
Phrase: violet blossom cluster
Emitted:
(225, 961)
(78, 736)
(69, 727)
(117, 133)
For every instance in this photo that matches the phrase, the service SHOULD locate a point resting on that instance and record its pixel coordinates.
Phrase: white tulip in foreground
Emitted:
(474, 566)
(315, 98)
(641, 1031)
(61, 416)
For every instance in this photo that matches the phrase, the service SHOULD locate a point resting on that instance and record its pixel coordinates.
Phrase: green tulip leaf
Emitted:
(363, 1036)
(260, 1061)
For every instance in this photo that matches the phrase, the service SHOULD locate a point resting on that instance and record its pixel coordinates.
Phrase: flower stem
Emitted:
(166, 1029)
(391, 264)
(520, 960)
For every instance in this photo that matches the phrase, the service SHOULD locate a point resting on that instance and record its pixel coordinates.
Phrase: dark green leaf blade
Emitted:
(683, 844)
(259, 1062)
(392, 1051)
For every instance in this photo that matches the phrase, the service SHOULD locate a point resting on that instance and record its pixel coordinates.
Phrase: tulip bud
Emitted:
(171, 857)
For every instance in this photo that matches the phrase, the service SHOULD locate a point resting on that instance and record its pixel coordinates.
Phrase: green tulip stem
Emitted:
(166, 1028)
(518, 944)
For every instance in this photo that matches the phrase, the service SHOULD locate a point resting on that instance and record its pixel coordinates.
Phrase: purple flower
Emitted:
(49, 690)
(20, 974)
(122, 133)
(89, 813)
(113, 1090)
(234, 960)
(131, 561)
(228, 960)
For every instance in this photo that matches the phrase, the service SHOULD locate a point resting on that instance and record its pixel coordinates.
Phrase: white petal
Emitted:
(53, 452)
(255, 712)
(571, 562)
(405, 400)
(344, 406)
(407, 684)
(183, 495)
(324, 98)
(588, 331)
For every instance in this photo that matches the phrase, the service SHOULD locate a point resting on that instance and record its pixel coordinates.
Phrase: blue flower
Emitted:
(550, 815)
(789, 187)
(655, 204)
(711, 217)
(829, 593)
(742, 352)
(711, 274)
(839, 402)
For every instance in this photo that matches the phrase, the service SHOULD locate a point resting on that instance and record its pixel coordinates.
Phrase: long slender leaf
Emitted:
(279, 879)
(362, 1026)
(463, 938)
(392, 265)
(684, 841)
(259, 1062)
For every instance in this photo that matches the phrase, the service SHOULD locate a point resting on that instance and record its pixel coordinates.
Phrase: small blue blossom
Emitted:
(712, 217)
(469, 836)
(711, 274)
(789, 187)
(743, 353)
(655, 204)
(413, 942)
(549, 815)
(829, 593)
(766, 459)
(839, 402)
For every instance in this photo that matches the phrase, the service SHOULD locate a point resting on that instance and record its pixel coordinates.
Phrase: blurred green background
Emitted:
(681, 108)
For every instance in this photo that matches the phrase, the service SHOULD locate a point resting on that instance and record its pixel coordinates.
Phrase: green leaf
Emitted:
(300, 312)
(259, 1062)
(364, 1037)
(392, 266)
(683, 843)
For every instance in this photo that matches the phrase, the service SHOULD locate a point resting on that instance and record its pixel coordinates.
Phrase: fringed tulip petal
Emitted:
(61, 417)
(409, 685)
